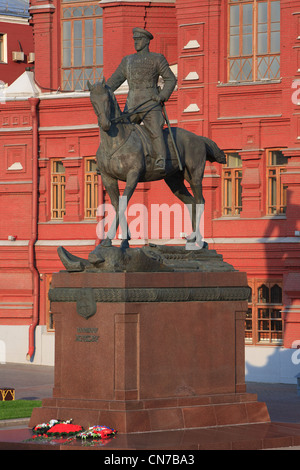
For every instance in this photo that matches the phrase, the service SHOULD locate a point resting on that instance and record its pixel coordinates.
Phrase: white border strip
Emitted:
(263, 240)
(142, 242)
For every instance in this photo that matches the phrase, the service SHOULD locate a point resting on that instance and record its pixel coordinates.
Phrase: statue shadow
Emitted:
(282, 399)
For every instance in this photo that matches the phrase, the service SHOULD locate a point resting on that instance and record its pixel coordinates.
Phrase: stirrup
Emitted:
(160, 164)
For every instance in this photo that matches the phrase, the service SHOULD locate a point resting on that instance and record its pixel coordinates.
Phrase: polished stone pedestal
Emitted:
(152, 351)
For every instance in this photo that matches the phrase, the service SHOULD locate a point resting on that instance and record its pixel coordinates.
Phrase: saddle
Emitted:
(150, 158)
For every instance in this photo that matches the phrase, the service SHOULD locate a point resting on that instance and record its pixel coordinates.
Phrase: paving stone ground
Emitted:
(34, 382)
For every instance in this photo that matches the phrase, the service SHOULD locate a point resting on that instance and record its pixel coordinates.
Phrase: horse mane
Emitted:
(98, 89)
(115, 110)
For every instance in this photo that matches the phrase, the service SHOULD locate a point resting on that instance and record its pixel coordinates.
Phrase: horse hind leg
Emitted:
(178, 188)
(196, 241)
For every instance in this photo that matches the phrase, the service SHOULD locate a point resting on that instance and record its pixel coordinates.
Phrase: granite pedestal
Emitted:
(150, 351)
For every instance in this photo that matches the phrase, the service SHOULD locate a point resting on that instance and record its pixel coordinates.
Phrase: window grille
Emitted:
(82, 44)
(57, 189)
(253, 40)
(264, 325)
(231, 179)
(90, 189)
(276, 190)
(3, 48)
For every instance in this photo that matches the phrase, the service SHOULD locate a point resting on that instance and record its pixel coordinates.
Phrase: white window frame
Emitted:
(4, 48)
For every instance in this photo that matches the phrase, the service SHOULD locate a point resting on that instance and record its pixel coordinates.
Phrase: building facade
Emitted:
(237, 64)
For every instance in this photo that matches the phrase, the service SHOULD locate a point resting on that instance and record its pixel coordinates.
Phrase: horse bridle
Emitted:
(135, 110)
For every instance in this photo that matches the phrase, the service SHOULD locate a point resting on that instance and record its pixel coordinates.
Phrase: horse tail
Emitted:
(213, 152)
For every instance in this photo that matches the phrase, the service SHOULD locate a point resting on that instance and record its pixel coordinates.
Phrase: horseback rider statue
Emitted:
(142, 70)
(123, 156)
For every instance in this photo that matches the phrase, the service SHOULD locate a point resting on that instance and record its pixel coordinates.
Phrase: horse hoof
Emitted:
(106, 242)
(191, 240)
(124, 245)
(194, 244)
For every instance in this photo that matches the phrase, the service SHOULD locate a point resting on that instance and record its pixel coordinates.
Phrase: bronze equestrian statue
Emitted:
(133, 153)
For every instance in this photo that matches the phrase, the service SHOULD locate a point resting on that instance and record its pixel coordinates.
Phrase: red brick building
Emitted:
(238, 65)
(16, 40)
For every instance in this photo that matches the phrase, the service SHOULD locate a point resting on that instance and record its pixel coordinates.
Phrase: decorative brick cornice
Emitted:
(183, 294)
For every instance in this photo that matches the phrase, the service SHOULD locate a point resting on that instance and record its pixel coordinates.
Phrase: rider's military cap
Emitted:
(140, 31)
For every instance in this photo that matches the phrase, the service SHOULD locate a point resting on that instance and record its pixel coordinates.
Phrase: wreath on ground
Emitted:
(59, 428)
(44, 427)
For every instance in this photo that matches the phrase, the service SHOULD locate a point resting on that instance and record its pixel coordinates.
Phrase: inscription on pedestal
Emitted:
(87, 335)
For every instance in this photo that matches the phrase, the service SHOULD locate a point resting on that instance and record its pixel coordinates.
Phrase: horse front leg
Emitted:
(112, 188)
(131, 183)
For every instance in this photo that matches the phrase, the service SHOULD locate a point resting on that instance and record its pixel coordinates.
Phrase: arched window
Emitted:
(263, 294)
(264, 324)
(276, 294)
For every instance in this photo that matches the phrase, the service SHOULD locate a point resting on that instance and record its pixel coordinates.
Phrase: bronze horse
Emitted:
(125, 154)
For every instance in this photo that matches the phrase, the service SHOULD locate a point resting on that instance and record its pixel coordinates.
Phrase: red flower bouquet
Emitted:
(97, 432)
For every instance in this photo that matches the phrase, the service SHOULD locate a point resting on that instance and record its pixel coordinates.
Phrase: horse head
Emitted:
(100, 99)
